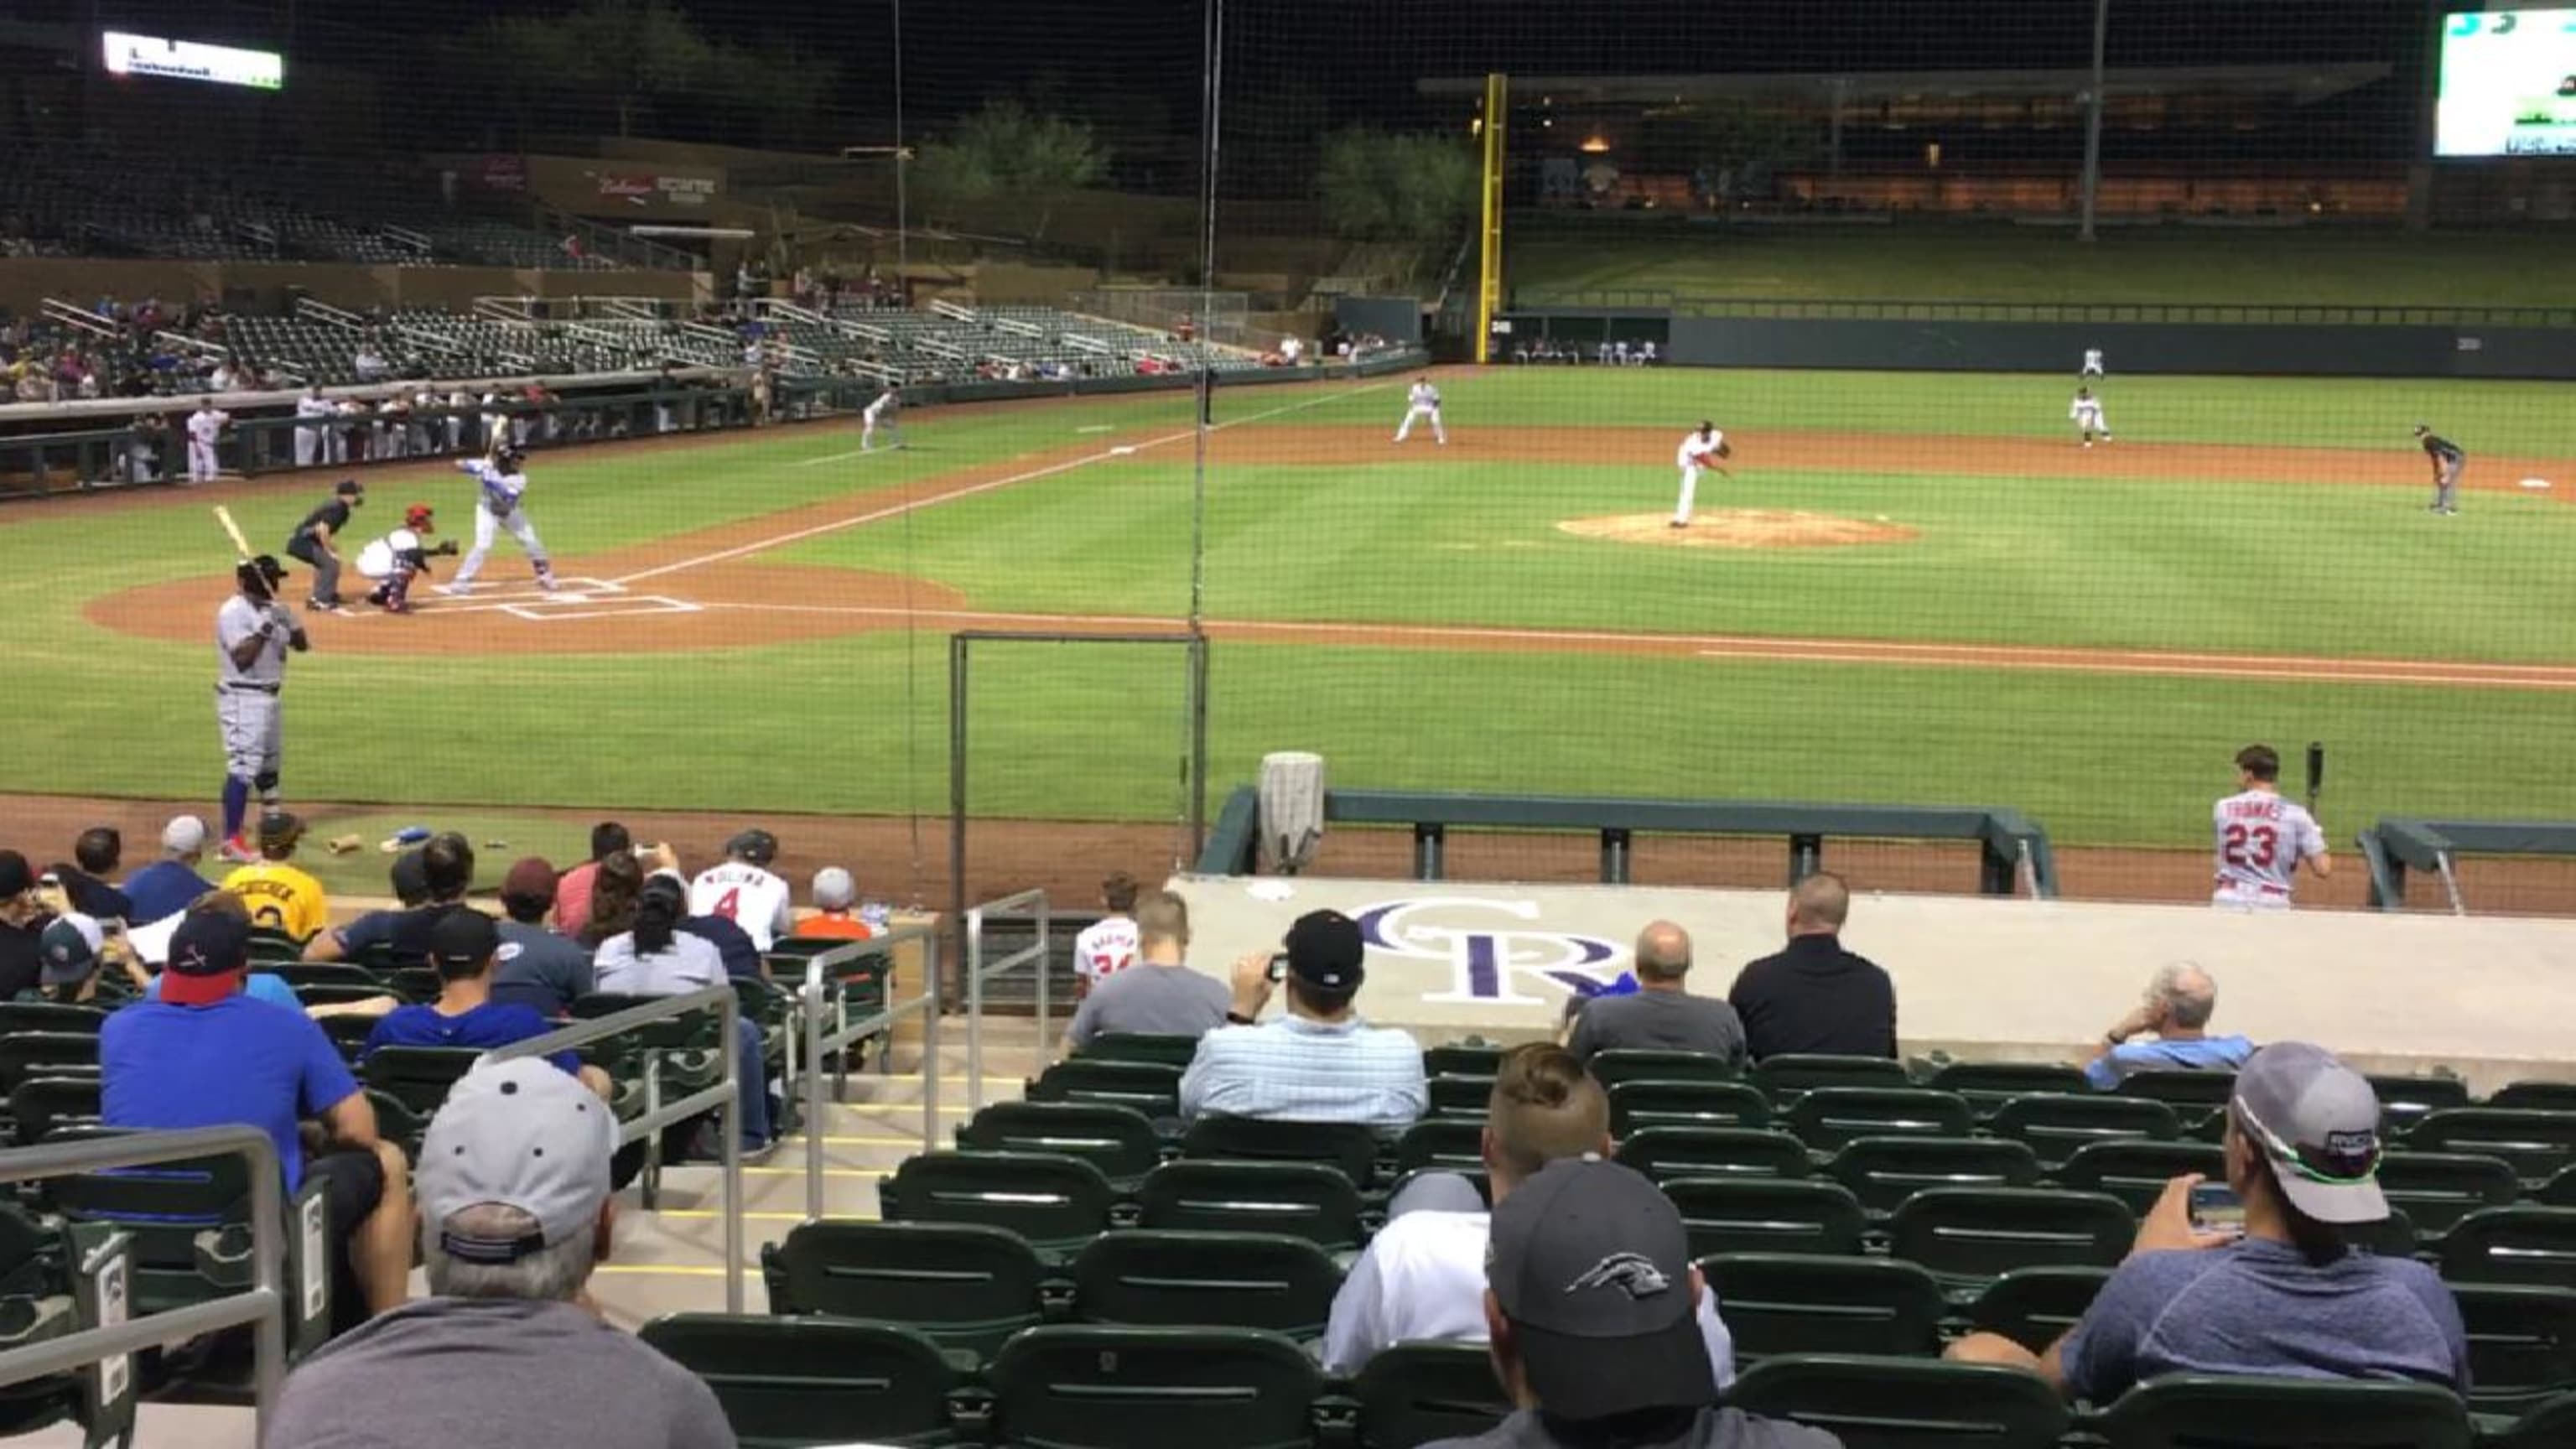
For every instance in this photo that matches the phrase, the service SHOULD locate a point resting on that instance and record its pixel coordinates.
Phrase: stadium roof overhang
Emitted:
(2298, 84)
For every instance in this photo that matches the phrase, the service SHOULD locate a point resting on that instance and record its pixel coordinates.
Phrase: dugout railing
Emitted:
(2013, 851)
(2398, 845)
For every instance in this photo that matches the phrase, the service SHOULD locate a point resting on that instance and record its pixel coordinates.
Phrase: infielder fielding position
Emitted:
(498, 507)
(2448, 463)
(882, 415)
(1422, 403)
(1701, 448)
(253, 631)
(2086, 413)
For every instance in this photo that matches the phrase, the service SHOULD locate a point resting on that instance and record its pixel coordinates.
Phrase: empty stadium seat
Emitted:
(1237, 1280)
(1133, 1046)
(1988, 1085)
(2404, 1100)
(2519, 1244)
(2535, 1144)
(2268, 1413)
(1878, 1402)
(1884, 1171)
(1768, 1215)
(1453, 1145)
(2056, 1125)
(2550, 1426)
(785, 1383)
(1303, 1199)
(27, 1055)
(1784, 1078)
(1830, 1118)
(1666, 1153)
(1086, 1387)
(48, 1016)
(2181, 1089)
(2035, 1306)
(1347, 1147)
(1414, 1393)
(2522, 1343)
(2437, 1189)
(1611, 1068)
(1801, 1303)
(1120, 1141)
(1655, 1102)
(1054, 1201)
(966, 1286)
(1462, 1059)
(1461, 1098)
(2535, 1096)
(43, 1105)
(418, 1077)
(2136, 1172)
(1975, 1234)
(1153, 1088)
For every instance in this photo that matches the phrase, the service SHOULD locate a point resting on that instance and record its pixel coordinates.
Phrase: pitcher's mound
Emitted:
(1741, 528)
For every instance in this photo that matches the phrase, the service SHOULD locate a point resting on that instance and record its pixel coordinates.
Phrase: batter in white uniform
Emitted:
(253, 632)
(2261, 838)
(499, 507)
(205, 426)
(2086, 413)
(1422, 403)
(882, 415)
(1701, 448)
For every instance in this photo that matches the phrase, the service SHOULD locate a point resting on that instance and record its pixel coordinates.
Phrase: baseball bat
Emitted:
(224, 516)
(2316, 772)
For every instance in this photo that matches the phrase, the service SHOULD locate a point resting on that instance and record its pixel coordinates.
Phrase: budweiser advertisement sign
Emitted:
(644, 188)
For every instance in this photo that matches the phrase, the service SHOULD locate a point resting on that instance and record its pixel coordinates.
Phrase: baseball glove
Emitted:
(446, 548)
(1725, 450)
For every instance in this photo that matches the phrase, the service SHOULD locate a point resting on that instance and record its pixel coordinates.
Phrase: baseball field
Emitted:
(1910, 588)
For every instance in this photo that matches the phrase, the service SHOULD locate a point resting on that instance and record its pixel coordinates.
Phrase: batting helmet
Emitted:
(260, 576)
(509, 457)
(417, 518)
(755, 845)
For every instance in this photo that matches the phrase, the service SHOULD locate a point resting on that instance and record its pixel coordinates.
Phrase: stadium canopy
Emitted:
(2298, 84)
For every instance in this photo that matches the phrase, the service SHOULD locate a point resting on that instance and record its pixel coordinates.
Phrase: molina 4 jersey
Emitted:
(2261, 838)
(745, 894)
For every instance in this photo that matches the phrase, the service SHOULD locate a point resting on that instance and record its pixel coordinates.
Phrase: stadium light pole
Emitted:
(2093, 118)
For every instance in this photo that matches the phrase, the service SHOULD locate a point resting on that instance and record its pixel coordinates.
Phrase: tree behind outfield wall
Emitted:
(1010, 154)
(1414, 191)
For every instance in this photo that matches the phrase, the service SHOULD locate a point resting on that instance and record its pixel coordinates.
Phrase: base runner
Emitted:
(393, 561)
(1701, 448)
(2086, 413)
(498, 507)
(1422, 404)
(2261, 838)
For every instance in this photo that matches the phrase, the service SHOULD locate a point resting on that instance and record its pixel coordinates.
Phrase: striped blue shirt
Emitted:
(1296, 1070)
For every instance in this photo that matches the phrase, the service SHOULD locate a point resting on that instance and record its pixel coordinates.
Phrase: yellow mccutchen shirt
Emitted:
(281, 896)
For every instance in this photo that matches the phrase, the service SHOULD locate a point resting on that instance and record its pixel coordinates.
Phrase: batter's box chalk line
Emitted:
(557, 610)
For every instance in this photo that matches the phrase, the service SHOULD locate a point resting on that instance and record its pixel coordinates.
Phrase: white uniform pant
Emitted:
(202, 467)
(2090, 421)
(308, 445)
(253, 730)
(1690, 490)
(869, 427)
(520, 528)
(2250, 897)
(1415, 414)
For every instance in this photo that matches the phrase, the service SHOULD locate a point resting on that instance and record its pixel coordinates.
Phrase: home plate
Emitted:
(2535, 484)
(1122, 450)
(561, 597)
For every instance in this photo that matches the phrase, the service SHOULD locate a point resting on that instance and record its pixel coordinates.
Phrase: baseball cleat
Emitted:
(547, 583)
(1677, 523)
(238, 852)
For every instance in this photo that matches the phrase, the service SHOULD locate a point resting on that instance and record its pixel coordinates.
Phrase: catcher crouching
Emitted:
(393, 561)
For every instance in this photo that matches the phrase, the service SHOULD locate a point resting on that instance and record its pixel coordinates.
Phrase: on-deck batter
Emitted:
(1701, 448)
(2261, 838)
(498, 506)
(253, 632)
(1422, 402)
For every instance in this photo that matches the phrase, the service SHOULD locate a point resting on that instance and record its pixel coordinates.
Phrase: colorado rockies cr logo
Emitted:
(1484, 958)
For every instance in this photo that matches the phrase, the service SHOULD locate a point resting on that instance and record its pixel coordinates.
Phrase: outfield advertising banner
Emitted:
(2508, 84)
(150, 55)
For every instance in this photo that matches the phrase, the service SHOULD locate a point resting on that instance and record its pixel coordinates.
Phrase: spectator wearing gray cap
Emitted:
(2290, 1295)
(742, 889)
(1317, 1062)
(836, 909)
(1159, 995)
(509, 1352)
(164, 888)
(1591, 1308)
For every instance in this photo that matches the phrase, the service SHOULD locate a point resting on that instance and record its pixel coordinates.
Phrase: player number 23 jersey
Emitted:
(2261, 838)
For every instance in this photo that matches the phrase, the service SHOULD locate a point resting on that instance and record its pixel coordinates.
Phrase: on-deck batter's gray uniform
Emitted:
(246, 700)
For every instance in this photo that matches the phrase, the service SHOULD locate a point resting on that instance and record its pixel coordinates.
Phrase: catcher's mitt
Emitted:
(446, 549)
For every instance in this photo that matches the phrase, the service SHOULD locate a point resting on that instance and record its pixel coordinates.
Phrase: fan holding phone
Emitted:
(2262, 1274)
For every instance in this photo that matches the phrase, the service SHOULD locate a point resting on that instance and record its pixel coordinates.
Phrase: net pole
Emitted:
(1489, 260)
(1212, 94)
(2092, 184)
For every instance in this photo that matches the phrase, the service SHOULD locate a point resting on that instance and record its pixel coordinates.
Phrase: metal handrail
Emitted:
(726, 1094)
(262, 1305)
(977, 968)
(820, 1043)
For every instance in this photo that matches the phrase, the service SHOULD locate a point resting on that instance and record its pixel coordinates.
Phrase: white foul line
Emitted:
(1049, 471)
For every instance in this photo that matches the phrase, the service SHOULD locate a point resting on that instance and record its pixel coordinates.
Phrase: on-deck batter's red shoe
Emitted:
(238, 851)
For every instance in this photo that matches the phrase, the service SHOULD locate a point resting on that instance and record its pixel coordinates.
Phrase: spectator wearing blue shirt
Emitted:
(2176, 1011)
(429, 882)
(1318, 1062)
(166, 886)
(207, 1055)
(2288, 1296)
(464, 948)
(84, 879)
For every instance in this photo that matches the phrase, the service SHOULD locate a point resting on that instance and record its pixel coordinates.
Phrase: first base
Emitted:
(2535, 484)
(1122, 450)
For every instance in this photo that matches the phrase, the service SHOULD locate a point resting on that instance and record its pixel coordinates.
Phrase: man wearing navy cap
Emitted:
(206, 1055)
(1316, 1062)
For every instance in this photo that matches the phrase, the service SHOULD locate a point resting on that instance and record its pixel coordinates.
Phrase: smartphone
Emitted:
(1279, 967)
(2215, 1209)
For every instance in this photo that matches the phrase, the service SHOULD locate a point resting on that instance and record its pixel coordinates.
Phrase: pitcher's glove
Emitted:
(1725, 449)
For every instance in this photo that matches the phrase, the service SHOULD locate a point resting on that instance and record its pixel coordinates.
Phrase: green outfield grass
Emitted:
(858, 724)
(1969, 261)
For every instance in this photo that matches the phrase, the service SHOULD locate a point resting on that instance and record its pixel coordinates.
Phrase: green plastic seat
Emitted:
(1610, 1068)
(2519, 1244)
(1347, 1147)
(1828, 1119)
(1172, 1049)
(27, 1055)
(2208, 1411)
(964, 1286)
(2550, 1426)
(1878, 1402)
(1453, 1144)
(1988, 1085)
(1414, 1393)
(2437, 1189)
(1768, 1215)
(43, 1105)
(1056, 1202)
(1462, 1059)
(1656, 1102)
(325, 973)
(2522, 1344)
(1153, 1088)
(1302, 1199)
(1791, 1075)
(2181, 1088)
(418, 1077)
(2558, 1191)
(49, 1016)
(2034, 1307)
(1235, 1280)
(1120, 1141)
(1972, 1235)
(2136, 1172)
(2406, 1100)
(2057, 1125)
(1884, 1171)
(2535, 1144)
(2536, 1096)
(1466, 1099)
(787, 1383)
(1776, 1303)
(1668, 1153)
(1079, 1386)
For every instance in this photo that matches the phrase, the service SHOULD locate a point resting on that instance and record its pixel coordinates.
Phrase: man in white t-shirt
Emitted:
(1107, 946)
(1423, 1276)
(2261, 838)
(205, 427)
(744, 890)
